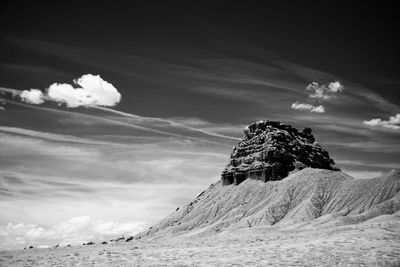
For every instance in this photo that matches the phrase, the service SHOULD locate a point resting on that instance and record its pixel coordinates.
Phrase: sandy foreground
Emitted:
(373, 243)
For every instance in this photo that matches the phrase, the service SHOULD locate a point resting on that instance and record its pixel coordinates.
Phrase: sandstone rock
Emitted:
(269, 150)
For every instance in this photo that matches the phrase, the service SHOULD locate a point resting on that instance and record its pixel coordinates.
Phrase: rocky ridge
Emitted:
(269, 150)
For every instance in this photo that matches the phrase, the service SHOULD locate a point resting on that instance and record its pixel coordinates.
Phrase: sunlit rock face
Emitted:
(269, 150)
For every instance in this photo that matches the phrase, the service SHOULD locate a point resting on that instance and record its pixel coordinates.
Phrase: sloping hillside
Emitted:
(310, 195)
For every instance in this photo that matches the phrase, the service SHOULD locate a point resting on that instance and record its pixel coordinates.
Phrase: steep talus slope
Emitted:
(310, 195)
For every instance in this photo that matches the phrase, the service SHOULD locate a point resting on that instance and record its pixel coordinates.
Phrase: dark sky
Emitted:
(191, 76)
(353, 39)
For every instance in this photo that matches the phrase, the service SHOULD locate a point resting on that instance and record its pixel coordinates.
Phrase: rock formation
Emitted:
(269, 150)
(317, 194)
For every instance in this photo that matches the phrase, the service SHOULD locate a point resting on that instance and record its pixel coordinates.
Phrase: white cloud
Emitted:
(302, 106)
(318, 109)
(320, 93)
(90, 90)
(93, 90)
(73, 231)
(335, 87)
(392, 123)
(308, 107)
(325, 92)
(33, 96)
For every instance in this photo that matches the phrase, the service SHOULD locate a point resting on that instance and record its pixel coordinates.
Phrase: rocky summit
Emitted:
(269, 150)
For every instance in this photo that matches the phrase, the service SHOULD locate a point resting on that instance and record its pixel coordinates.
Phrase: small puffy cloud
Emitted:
(335, 87)
(324, 92)
(93, 90)
(308, 107)
(319, 93)
(318, 109)
(302, 106)
(73, 231)
(392, 123)
(33, 96)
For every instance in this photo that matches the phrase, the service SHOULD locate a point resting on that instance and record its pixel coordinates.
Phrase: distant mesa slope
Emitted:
(309, 196)
(315, 192)
(269, 150)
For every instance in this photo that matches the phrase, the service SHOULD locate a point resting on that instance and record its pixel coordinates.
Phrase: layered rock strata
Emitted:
(269, 150)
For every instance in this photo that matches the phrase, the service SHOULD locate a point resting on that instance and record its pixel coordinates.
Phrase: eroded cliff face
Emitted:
(269, 150)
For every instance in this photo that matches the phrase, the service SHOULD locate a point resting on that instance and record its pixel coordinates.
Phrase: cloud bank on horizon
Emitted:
(73, 231)
(92, 91)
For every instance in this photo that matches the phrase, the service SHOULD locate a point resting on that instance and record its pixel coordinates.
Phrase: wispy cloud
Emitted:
(175, 129)
(2, 103)
(392, 123)
(359, 163)
(51, 136)
(363, 174)
(36, 69)
(12, 92)
(128, 163)
(371, 146)
(98, 95)
(143, 177)
(170, 122)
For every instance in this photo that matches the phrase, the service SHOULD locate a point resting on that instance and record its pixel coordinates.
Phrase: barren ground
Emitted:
(372, 243)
